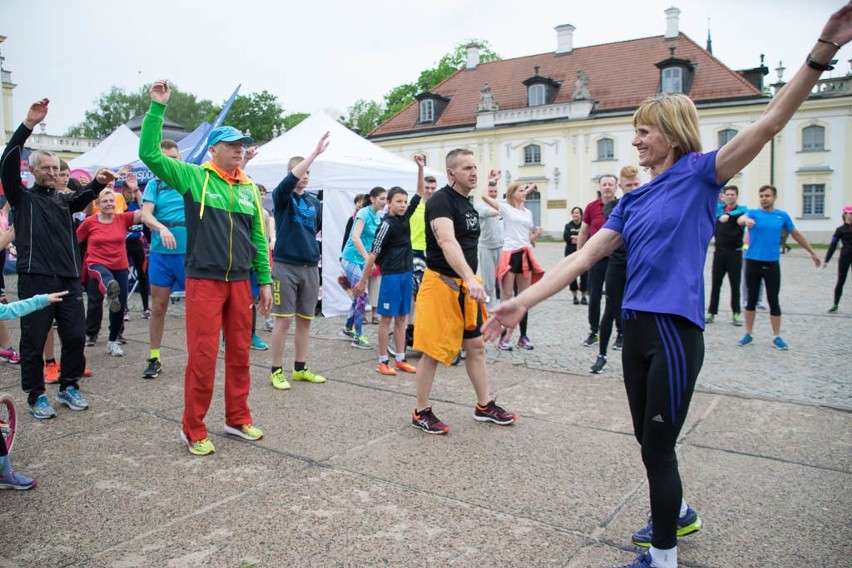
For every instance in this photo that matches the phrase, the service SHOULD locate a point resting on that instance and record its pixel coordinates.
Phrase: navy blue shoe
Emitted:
(641, 561)
(686, 525)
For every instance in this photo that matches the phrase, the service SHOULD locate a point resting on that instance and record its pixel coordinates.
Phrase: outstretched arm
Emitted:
(803, 242)
(509, 313)
(743, 148)
(303, 166)
(10, 163)
(420, 159)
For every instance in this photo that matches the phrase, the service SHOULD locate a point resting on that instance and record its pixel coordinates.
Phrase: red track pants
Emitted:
(213, 305)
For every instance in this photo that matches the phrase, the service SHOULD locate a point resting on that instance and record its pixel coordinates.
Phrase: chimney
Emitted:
(564, 38)
(672, 15)
(472, 55)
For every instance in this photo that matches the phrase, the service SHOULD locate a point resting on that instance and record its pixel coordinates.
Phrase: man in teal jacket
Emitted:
(225, 241)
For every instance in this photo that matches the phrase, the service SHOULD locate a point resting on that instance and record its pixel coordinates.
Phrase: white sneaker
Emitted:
(114, 349)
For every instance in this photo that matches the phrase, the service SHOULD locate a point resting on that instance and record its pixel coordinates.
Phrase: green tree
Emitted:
(116, 107)
(364, 116)
(184, 108)
(258, 113)
(110, 111)
(401, 96)
(295, 118)
(398, 98)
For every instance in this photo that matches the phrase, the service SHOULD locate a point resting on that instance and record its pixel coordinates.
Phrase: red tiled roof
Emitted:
(621, 76)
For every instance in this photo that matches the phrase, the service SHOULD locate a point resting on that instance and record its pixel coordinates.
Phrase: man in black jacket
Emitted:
(48, 261)
(728, 256)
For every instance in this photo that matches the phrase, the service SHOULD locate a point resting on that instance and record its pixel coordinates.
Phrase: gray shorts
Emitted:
(295, 290)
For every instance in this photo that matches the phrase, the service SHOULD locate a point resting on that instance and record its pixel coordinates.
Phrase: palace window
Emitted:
(606, 149)
(532, 154)
(813, 200)
(813, 138)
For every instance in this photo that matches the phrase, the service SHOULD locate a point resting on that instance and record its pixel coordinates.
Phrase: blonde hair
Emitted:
(628, 172)
(510, 192)
(676, 117)
(104, 192)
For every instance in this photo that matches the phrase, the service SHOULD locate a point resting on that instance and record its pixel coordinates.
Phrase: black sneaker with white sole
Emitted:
(600, 364)
(591, 340)
(152, 371)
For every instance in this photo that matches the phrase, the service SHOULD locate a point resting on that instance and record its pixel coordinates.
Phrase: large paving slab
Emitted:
(342, 479)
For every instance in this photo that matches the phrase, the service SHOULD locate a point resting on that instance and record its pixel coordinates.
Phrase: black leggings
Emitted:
(616, 279)
(136, 253)
(597, 275)
(662, 357)
(770, 274)
(728, 262)
(584, 283)
(843, 264)
(516, 266)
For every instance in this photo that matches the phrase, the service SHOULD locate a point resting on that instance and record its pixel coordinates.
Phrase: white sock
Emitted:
(683, 508)
(664, 558)
(400, 356)
(383, 359)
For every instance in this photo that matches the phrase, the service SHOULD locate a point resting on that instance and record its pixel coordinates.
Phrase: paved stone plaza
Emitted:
(342, 479)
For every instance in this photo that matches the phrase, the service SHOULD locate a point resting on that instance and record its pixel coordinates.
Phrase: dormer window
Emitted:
(672, 80)
(676, 74)
(536, 95)
(431, 106)
(540, 90)
(427, 111)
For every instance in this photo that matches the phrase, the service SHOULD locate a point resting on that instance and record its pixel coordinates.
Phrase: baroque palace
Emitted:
(562, 119)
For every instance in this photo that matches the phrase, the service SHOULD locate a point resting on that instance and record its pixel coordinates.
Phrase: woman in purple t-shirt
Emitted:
(663, 327)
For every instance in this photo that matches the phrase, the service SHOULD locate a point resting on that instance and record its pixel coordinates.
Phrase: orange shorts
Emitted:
(445, 316)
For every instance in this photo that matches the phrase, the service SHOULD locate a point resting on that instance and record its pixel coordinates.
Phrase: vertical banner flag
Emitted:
(197, 154)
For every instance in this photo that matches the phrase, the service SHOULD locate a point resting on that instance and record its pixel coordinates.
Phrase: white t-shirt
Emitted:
(517, 225)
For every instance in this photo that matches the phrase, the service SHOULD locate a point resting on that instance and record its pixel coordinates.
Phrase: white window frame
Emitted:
(813, 200)
(672, 80)
(532, 155)
(810, 132)
(603, 142)
(536, 95)
(427, 110)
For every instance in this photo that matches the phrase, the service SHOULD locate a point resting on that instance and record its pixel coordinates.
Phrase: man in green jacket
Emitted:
(225, 241)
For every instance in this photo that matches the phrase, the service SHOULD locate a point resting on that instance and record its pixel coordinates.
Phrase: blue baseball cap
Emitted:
(227, 134)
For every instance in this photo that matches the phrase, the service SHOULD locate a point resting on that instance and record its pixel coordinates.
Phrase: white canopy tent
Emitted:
(119, 148)
(351, 165)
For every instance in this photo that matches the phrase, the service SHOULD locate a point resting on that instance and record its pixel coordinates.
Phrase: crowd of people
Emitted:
(211, 236)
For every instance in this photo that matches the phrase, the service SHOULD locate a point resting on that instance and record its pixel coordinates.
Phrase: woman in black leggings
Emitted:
(664, 319)
(842, 235)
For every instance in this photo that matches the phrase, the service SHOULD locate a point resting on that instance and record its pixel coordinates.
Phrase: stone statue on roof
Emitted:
(581, 86)
(486, 100)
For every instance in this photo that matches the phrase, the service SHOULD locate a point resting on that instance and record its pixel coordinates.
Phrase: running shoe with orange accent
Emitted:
(493, 413)
(87, 372)
(385, 368)
(405, 367)
(51, 372)
(428, 422)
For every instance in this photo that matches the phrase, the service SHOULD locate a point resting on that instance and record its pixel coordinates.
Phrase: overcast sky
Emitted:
(326, 54)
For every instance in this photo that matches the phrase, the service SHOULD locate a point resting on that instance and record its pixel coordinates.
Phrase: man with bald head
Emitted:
(48, 261)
